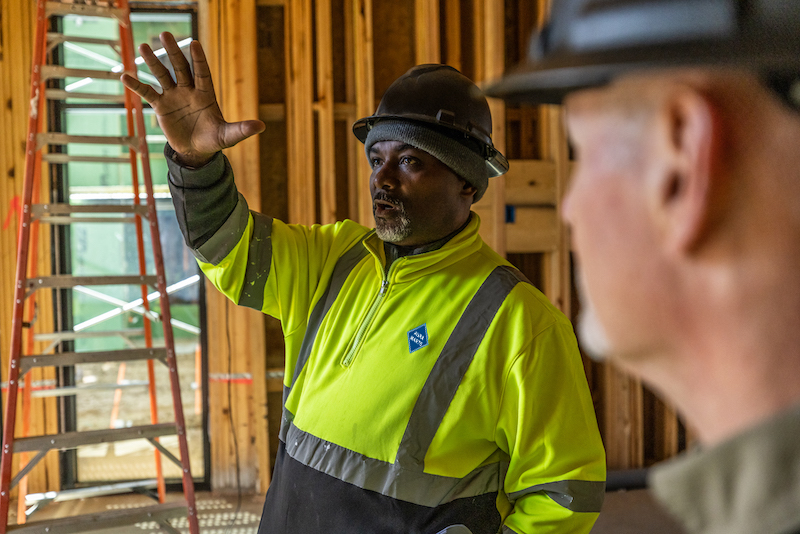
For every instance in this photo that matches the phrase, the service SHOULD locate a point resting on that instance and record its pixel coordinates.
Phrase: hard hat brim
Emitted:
(550, 80)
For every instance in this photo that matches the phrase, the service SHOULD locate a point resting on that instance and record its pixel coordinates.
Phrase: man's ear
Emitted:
(688, 185)
(468, 190)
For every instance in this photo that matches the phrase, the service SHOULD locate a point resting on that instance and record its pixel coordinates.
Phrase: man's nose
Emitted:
(384, 176)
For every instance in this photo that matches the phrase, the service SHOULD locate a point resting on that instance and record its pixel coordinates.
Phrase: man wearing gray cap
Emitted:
(429, 387)
(685, 216)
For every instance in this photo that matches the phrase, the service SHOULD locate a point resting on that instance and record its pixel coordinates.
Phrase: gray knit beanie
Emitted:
(466, 163)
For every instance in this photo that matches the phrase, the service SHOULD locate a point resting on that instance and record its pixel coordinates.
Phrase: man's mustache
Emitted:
(383, 196)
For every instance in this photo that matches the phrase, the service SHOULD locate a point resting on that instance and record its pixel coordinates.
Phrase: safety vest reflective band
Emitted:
(259, 259)
(405, 479)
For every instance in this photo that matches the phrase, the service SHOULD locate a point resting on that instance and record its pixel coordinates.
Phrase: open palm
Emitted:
(187, 109)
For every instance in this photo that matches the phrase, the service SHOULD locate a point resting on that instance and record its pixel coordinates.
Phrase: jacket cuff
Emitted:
(190, 177)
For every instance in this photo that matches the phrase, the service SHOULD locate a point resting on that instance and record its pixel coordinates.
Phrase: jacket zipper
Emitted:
(351, 354)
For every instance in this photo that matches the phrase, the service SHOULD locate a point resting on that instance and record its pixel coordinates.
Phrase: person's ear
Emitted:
(468, 190)
(689, 182)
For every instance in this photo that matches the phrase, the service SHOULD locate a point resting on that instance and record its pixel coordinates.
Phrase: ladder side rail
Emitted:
(34, 122)
(148, 331)
(126, 39)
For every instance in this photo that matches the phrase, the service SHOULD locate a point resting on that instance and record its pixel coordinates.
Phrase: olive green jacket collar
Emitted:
(749, 484)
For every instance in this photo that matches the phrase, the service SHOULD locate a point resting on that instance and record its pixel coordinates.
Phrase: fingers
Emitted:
(235, 132)
(202, 73)
(156, 67)
(183, 73)
(141, 89)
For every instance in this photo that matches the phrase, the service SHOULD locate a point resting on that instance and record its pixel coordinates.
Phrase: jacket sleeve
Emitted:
(547, 424)
(254, 260)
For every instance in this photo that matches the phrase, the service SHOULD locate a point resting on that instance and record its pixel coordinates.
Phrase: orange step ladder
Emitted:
(28, 282)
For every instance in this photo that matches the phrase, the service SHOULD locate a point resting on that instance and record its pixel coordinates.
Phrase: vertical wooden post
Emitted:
(557, 265)
(236, 335)
(489, 65)
(299, 113)
(624, 420)
(326, 151)
(426, 36)
(453, 33)
(364, 97)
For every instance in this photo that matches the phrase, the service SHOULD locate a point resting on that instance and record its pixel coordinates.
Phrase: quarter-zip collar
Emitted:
(423, 260)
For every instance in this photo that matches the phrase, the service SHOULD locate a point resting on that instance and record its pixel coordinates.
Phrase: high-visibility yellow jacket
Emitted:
(444, 390)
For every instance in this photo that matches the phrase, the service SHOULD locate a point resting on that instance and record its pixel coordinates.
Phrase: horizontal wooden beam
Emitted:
(342, 111)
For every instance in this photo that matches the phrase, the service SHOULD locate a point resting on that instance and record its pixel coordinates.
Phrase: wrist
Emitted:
(192, 161)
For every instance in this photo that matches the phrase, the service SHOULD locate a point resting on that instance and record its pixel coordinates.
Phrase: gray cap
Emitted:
(463, 161)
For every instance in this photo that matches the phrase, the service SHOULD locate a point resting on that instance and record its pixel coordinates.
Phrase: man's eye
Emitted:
(374, 162)
(408, 160)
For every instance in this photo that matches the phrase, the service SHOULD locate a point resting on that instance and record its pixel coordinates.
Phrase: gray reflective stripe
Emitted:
(225, 239)
(507, 530)
(452, 364)
(286, 417)
(259, 259)
(575, 495)
(389, 479)
(344, 265)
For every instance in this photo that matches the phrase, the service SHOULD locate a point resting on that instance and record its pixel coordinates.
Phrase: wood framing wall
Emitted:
(309, 69)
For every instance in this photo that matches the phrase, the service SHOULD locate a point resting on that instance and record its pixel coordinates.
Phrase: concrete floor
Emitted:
(624, 512)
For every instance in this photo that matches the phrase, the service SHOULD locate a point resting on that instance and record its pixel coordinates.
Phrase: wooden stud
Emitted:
(299, 113)
(489, 62)
(453, 32)
(364, 97)
(426, 43)
(326, 152)
(623, 427)
(236, 335)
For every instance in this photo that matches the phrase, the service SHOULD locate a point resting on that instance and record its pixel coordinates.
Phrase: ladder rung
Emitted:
(55, 138)
(87, 10)
(102, 520)
(38, 210)
(71, 440)
(55, 38)
(94, 491)
(65, 280)
(53, 71)
(72, 220)
(61, 94)
(70, 391)
(26, 363)
(66, 158)
(69, 335)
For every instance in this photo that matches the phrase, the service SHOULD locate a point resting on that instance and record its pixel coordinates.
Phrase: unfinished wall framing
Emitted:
(309, 69)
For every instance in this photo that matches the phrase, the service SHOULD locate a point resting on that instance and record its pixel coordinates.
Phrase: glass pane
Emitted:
(114, 394)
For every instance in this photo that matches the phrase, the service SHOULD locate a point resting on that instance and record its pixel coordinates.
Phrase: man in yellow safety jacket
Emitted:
(429, 386)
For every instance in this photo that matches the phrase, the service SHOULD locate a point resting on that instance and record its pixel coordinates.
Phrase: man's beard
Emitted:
(398, 227)
(591, 333)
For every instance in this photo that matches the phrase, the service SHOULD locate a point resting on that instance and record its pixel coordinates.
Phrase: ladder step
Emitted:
(65, 280)
(38, 210)
(71, 391)
(50, 72)
(66, 158)
(69, 335)
(71, 440)
(26, 363)
(55, 38)
(61, 94)
(102, 520)
(94, 491)
(55, 138)
(87, 10)
(65, 213)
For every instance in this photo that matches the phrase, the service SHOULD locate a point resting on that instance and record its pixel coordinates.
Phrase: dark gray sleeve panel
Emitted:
(204, 198)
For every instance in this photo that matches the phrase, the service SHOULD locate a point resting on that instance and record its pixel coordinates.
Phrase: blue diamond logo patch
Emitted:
(417, 338)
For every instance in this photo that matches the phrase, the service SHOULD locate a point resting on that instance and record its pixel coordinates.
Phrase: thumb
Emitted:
(235, 132)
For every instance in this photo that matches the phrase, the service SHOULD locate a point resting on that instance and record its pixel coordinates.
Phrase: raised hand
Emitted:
(187, 109)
